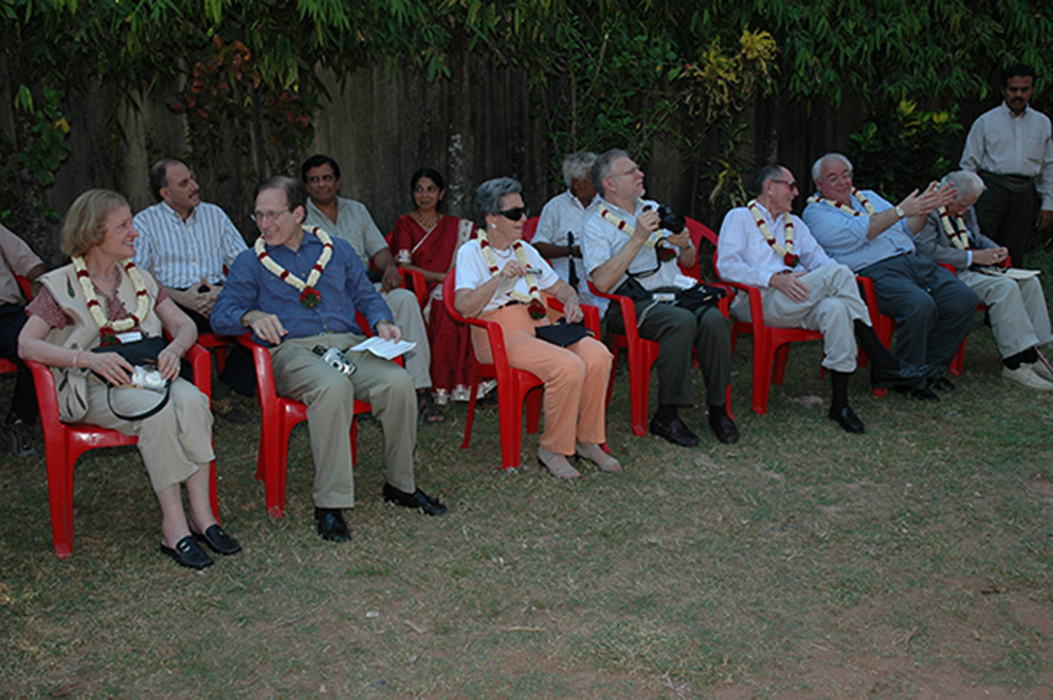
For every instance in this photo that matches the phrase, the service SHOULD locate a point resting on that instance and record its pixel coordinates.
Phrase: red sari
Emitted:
(452, 355)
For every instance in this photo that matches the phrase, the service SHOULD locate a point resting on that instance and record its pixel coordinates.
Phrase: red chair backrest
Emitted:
(530, 228)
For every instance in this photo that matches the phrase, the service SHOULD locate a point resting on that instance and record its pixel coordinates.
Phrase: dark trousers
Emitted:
(239, 372)
(931, 307)
(677, 332)
(1007, 217)
(24, 402)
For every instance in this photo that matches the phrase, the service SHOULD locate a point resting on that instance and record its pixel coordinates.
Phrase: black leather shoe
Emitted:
(218, 540)
(724, 428)
(847, 419)
(906, 375)
(418, 500)
(941, 383)
(919, 393)
(331, 525)
(675, 432)
(187, 553)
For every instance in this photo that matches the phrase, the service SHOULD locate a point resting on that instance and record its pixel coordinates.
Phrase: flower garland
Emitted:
(847, 209)
(665, 254)
(536, 308)
(788, 257)
(957, 232)
(108, 330)
(309, 295)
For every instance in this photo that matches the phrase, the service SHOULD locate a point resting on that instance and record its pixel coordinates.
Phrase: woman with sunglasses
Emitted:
(500, 278)
(426, 240)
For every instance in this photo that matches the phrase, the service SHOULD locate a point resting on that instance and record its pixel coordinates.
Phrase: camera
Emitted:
(148, 378)
(336, 359)
(671, 221)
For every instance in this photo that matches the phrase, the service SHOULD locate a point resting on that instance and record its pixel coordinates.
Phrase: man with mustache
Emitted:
(1011, 149)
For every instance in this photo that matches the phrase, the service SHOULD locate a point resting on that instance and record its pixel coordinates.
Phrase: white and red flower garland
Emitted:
(309, 294)
(535, 307)
(665, 254)
(957, 232)
(108, 330)
(786, 252)
(844, 207)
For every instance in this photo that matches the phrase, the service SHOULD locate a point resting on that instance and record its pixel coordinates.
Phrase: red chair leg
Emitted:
(60, 496)
(533, 411)
(782, 354)
(762, 362)
(958, 361)
(511, 421)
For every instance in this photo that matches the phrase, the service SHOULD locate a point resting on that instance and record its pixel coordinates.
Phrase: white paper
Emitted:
(384, 349)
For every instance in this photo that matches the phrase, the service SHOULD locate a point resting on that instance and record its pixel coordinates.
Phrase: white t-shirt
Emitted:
(472, 271)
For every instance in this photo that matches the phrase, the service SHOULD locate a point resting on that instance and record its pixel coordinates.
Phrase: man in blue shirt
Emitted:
(299, 289)
(931, 307)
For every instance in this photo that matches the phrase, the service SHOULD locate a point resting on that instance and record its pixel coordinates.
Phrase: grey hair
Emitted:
(817, 167)
(767, 172)
(489, 195)
(577, 166)
(601, 169)
(967, 183)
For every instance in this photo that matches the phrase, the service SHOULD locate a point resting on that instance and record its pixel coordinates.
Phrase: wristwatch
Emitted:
(899, 211)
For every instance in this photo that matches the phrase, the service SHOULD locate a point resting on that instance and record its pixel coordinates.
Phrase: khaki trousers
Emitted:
(173, 441)
(831, 308)
(301, 375)
(575, 377)
(408, 317)
(1019, 316)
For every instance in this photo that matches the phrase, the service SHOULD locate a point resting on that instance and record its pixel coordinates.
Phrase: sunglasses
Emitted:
(515, 214)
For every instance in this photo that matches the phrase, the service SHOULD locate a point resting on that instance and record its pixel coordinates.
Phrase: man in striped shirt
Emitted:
(187, 244)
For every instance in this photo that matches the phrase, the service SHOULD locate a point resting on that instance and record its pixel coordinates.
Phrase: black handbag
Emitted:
(562, 333)
(140, 353)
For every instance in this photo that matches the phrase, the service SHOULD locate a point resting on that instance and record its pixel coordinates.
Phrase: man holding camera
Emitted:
(629, 249)
(299, 289)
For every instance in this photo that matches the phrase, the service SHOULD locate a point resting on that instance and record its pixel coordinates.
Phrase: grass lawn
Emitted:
(914, 561)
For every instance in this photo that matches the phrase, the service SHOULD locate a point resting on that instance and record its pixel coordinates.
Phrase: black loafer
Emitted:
(941, 383)
(331, 525)
(218, 540)
(919, 393)
(187, 553)
(417, 500)
(724, 428)
(847, 419)
(906, 375)
(675, 432)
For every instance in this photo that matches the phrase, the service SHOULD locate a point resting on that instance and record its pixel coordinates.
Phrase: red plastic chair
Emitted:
(530, 228)
(65, 442)
(513, 385)
(6, 365)
(279, 416)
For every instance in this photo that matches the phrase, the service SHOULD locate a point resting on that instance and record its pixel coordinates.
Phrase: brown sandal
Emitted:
(430, 414)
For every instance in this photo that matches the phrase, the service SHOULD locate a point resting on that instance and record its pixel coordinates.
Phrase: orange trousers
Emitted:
(575, 378)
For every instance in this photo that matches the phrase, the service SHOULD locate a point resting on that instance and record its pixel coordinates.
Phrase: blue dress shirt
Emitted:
(344, 289)
(844, 237)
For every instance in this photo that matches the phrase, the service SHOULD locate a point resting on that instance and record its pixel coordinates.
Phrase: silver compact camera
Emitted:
(336, 359)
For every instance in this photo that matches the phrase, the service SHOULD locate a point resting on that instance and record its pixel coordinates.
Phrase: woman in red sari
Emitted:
(426, 240)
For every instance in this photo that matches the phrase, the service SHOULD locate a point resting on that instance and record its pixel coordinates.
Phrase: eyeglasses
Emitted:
(834, 178)
(792, 184)
(516, 213)
(261, 216)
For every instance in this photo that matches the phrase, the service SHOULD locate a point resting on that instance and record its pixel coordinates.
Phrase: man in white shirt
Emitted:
(559, 229)
(187, 245)
(626, 251)
(765, 246)
(1011, 148)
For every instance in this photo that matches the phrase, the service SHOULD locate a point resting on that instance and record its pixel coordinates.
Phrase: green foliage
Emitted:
(905, 149)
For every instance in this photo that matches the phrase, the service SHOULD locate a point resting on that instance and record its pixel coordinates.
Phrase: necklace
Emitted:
(788, 257)
(957, 232)
(309, 295)
(108, 330)
(535, 307)
(424, 224)
(665, 254)
(845, 208)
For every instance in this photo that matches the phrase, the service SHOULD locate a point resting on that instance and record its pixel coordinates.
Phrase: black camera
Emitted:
(671, 221)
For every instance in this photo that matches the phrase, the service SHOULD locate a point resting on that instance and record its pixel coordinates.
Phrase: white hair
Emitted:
(576, 166)
(968, 184)
(817, 167)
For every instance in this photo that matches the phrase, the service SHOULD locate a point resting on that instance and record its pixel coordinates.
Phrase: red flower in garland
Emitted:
(310, 298)
(791, 260)
(537, 311)
(107, 337)
(666, 254)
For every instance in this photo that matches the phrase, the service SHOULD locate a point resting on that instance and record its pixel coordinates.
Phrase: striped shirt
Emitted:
(179, 253)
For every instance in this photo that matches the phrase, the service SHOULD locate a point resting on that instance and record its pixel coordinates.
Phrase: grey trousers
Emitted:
(932, 308)
(677, 332)
(408, 318)
(329, 395)
(1019, 316)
